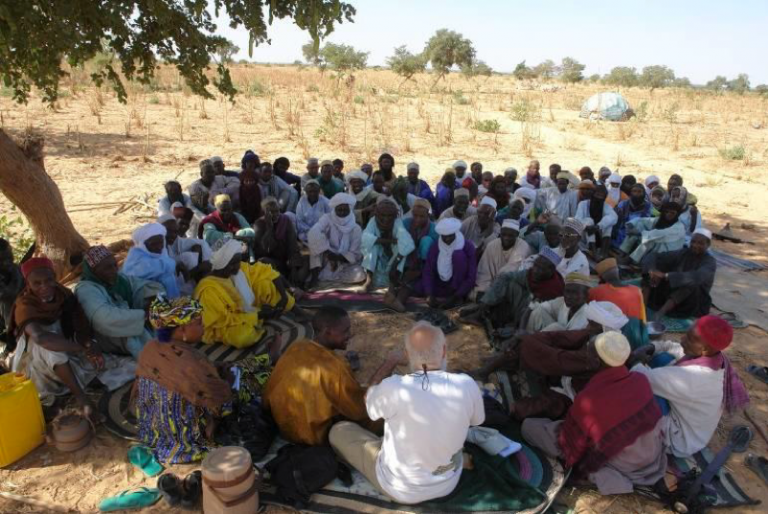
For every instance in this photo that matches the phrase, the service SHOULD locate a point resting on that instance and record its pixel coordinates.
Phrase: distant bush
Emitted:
(641, 113)
(459, 98)
(154, 100)
(491, 126)
(733, 153)
(313, 88)
(359, 100)
(522, 110)
(257, 89)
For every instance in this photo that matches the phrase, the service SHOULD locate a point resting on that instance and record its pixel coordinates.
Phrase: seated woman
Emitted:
(250, 195)
(310, 209)
(115, 304)
(225, 223)
(149, 259)
(237, 297)
(276, 243)
(385, 245)
(334, 244)
(55, 348)
(192, 255)
(178, 392)
(646, 236)
(599, 219)
(451, 268)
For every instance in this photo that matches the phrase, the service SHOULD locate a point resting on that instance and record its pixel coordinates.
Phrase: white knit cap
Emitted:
(460, 164)
(613, 348)
(487, 200)
(704, 232)
(448, 226)
(412, 166)
(510, 223)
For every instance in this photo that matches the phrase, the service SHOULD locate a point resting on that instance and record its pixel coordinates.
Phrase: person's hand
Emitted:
(94, 356)
(543, 218)
(656, 278)
(182, 270)
(642, 355)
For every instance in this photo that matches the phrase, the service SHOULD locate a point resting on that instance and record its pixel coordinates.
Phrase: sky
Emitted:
(698, 39)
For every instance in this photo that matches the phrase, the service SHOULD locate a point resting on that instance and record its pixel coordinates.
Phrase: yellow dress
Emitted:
(224, 318)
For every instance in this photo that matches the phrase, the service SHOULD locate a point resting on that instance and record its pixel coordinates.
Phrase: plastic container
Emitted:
(229, 482)
(22, 427)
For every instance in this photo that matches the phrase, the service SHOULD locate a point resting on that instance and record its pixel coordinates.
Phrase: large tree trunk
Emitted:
(24, 181)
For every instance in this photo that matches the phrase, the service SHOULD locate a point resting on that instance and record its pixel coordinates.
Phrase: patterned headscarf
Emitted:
(167, 314)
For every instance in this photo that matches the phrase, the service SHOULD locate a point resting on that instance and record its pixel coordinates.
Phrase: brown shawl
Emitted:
(64, 307)
(186, 371)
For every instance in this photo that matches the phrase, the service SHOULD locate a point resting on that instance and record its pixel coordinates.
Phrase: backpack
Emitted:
(298, 471)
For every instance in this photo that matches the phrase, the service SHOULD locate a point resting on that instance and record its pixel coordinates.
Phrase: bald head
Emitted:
(425, 346)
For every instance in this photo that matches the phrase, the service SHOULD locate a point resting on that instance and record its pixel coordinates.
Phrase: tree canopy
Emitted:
(226, 51)
(477, 68)
(406, 64)
(447, 49)
(740, 84)
(545, 70)
(36, 39)
(571, 70)
(622, 76)
(657, 76)
(343, 58)
(523, 72)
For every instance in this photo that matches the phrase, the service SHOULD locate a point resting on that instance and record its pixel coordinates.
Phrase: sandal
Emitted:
(759, 372)
(759, 465)
(130, 499)
(142, 458)
(193, 490)
(170, 487)
(739, 438)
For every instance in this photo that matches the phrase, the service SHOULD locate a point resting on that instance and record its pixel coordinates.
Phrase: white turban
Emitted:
(606, 314)
(225, 253)
(412, 166)
(487, 200)
(215, 159)
(341, 199)
(615, 178)
(312, 160)
(510, 223)
(460, 164)
(448, 226)
(613, 348)
(653, 179)
(704, 232)
(357, 174)
(141, 234)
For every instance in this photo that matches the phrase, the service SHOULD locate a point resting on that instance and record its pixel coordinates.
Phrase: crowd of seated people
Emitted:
(524, 256)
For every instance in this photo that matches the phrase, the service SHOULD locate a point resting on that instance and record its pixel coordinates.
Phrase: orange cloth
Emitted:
(311, 388)
(622, 196)
(627, 298)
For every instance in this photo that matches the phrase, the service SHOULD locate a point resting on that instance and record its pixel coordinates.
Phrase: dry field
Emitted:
(104, 154)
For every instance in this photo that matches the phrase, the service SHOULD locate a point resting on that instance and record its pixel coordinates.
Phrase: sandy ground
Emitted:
(100, 151)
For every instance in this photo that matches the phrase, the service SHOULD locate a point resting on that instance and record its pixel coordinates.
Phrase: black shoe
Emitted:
(170, 487)
(193, 490)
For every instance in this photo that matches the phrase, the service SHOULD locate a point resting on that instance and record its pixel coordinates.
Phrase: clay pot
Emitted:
(70, 433)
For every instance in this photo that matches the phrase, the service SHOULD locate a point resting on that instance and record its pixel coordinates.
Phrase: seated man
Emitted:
(311, 387)
(690, 216)
(173, 194)
(444, 192)
(275, 187)
(506, 301)
(543, 232)
(635, 207)
(567, 312)
(334, 244)
(698, 388)
(224, 184)
(55, 348)
(451, 268)
(385, 245)
(338, 169)
(280, 168)
(237, 297)
(310, 209)
(149, 260)
(599, 219)
(498, 192)
(115, 304)
(678, 283)
(619, 444)
(514, 211)
(200, 190)
(250, 195)
(313, 171)
(416, 186)
(626, 297)
(330, 185)
(510, 177)
(565, 358)
(615, 194)
(559, 201)
(482, 228)
(422, 232)
(504, 254)
(574, 260)
(192, 256)
(11, 284)
(365, 197)
(646, 236)
(225, 223)
(420, 457)
(461, 209)
(403, 199)
(276, 243)
(218, 165)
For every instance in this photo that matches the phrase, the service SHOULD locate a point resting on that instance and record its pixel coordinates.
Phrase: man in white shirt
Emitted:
(427, 463)
(574, 260)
